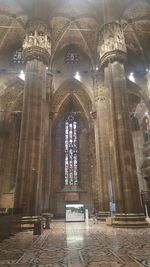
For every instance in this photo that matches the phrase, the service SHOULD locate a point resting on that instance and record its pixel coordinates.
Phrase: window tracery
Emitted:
(71, 56)
(18, 57)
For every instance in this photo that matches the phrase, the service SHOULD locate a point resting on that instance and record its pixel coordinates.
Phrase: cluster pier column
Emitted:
(37, 50)
(47, 152)
(95, 183)
(112, 50)
(103, 175)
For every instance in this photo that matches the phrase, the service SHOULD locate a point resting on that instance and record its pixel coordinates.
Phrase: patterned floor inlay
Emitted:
(78, 245)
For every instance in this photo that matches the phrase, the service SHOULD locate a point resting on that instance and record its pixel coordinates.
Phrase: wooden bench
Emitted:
(28, 222)
(12, 224)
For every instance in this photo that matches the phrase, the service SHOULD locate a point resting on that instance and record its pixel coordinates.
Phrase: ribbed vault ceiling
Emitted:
(78, 22)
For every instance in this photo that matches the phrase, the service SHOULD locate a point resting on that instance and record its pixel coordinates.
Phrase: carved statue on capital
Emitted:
(37, 42)
(111, 43)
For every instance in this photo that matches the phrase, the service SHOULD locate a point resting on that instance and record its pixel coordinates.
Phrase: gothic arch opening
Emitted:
(71, 106)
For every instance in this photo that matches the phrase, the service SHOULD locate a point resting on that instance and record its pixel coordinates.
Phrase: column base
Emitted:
(102, 215)
(131, 220)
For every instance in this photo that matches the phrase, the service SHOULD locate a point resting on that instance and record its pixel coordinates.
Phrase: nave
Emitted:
(77, 245)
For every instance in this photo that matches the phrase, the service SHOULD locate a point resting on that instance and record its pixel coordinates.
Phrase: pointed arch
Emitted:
(81, 42)
(72, 92)
(71, 159)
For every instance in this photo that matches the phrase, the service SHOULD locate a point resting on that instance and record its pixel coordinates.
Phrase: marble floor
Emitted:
(78, 245)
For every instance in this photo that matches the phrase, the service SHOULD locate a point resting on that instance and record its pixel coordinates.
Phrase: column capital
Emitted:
(112, 45)
(37, 42)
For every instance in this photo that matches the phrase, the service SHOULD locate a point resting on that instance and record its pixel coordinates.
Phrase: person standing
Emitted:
(94, 216)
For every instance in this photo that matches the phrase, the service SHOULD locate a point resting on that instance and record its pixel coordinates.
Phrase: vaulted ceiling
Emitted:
(77, 22)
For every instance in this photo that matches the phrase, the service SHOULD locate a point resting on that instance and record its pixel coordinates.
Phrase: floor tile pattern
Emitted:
(78, 245)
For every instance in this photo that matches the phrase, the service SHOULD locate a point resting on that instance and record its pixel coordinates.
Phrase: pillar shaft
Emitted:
(47, 151)
(97, 196)
(123, 167)
(28, 195)
(148, 84)
(122, 152)
(102, 155)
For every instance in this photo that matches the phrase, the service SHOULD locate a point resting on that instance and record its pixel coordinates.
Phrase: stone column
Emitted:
(9, 139)
(95, 183)
(148, 84)
(103, 175)
(112, 49)
(36, 48)
(47, 151)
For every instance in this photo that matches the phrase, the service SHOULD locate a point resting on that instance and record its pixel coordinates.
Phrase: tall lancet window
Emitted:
(71, 152)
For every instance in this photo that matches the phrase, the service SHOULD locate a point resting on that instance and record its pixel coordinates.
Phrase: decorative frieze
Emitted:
(111, 43)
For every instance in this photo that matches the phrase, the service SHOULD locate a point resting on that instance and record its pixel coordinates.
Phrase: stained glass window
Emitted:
(18, 57)
(71, 152)
(71, 56)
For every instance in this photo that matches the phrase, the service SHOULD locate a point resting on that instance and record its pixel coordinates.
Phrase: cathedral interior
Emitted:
(75, 130)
